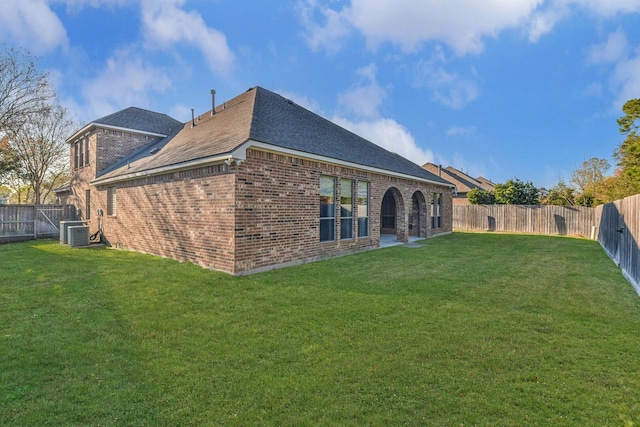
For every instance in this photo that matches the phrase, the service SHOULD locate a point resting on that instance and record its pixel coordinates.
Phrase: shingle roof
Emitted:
(263, 116)
(488, 184)
(463, 182)
(138, 119)
(211, 136)
(283, 123)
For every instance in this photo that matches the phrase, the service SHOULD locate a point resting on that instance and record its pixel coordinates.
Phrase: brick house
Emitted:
(257, 183)
(463, 182)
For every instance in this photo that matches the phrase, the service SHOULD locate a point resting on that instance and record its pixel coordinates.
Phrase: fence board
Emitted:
(23, 222)
(535, 219)
(619, 233)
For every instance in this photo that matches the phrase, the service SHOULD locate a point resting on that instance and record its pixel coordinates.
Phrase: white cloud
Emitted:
(606, 9)
(388, 134)
(126, 81)
(79, 4)
(626, 79)
(614, 49)
(365, 98)
(362, 102)
(545, 18)
(165, 24)
(615, 52)
(462, 24)
(327, 35)
(542, 23)
(32, 23)
(449, 88)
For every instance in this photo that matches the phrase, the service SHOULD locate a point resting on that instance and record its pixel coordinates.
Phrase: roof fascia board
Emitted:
(207, 161)
(78, 133)
(88, 127)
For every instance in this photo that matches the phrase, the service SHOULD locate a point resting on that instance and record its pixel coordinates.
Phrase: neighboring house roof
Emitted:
(63, 188)
(489, 185)
(264, 119)
(463, 182)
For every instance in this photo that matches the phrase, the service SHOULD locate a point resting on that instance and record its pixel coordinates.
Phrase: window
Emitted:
(327, 209)
(363, 209)
(346, 209)
(80, 153)
(75, 156)
(111, 201)
(436, 210)
(86, 151)
(88, 204)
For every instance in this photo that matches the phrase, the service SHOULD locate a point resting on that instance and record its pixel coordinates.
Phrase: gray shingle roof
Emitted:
(263, 116)
(138, 119)
(281, 122)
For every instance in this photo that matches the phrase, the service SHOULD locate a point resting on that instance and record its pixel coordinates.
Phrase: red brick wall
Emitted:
(114, 145)
(80, 179)
(240, 219)
(187, 216)
(278, 206)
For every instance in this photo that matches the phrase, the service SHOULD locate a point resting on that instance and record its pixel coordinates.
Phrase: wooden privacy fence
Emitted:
(619, 234)
(535, 219)
(23, 222)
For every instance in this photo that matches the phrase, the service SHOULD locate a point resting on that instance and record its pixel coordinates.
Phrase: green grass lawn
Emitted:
(473, 329)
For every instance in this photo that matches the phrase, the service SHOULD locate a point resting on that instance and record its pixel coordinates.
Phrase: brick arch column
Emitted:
(393, 215)
(417, 220)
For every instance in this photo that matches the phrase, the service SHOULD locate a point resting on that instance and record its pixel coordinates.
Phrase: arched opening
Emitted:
(392, 222)
(417, 216)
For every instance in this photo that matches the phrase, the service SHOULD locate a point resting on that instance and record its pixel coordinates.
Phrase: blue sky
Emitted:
(525, 89)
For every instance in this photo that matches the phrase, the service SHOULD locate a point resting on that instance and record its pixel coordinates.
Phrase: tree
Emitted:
(618, 187)
(478, 196)
(5, 194)
(23, 89)
(516, 192)
(8, 158)
(33, 128)
(628, 153)
(559, 195)
(41, 150)
(588, 177)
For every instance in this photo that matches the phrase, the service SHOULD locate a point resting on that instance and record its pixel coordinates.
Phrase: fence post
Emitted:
(35, 222)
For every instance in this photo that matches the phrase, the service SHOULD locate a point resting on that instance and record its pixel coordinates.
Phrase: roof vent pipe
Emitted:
(439, 171)
(193, 119)
(213, 102)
